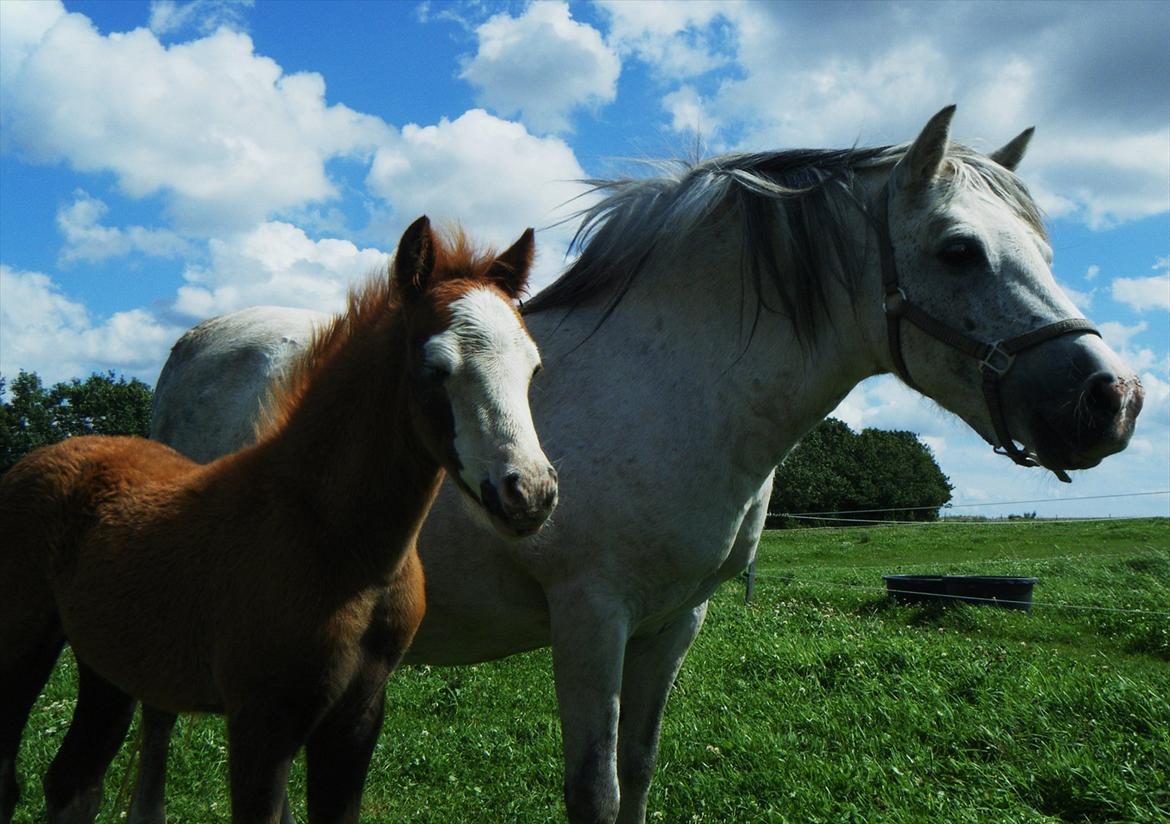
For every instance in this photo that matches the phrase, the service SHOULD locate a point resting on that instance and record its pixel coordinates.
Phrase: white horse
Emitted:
(713, 317)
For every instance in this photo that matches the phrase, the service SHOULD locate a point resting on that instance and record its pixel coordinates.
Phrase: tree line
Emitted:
(834, 469)
(32, 415)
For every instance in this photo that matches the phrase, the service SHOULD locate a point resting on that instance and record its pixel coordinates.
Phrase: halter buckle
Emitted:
(895, 302)
(997, 360)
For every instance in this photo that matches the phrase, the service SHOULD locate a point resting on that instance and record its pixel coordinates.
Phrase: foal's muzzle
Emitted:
(522, 501)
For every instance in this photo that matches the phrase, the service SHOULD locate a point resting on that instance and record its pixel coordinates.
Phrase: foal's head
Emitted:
(471, 362)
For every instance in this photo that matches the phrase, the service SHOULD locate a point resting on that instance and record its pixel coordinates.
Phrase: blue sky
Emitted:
(163, 162)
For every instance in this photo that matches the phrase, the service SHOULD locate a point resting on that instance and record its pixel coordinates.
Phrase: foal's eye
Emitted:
(435, 374)
(960, 253)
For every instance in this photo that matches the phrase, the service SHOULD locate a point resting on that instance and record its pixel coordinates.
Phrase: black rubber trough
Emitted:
(988, 590)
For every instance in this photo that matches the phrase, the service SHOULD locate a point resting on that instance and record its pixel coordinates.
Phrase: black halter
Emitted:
(995, 359)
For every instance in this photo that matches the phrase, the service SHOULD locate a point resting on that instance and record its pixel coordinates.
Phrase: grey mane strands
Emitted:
(791, 206)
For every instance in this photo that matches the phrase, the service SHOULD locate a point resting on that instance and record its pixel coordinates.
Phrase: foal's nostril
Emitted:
(1104, 394)
(552, 473)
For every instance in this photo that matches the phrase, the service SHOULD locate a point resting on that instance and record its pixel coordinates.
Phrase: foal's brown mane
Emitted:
(368, 304)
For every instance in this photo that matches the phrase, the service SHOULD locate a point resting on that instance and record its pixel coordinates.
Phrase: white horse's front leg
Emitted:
(652, 662)
(588, 641)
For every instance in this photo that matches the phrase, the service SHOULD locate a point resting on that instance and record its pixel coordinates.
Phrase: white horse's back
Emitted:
(210, 391)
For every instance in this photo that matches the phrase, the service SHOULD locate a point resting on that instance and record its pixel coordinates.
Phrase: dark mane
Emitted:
(791, 206)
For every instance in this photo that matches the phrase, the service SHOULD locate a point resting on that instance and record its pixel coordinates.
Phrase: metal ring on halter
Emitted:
(1007, 359)
(895, 302)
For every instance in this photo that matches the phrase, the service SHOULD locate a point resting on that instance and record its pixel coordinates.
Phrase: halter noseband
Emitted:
(995, 359)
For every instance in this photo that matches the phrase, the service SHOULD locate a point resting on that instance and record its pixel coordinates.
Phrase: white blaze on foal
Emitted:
(485, 361)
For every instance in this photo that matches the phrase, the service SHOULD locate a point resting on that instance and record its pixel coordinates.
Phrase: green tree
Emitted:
(834, 469)
(100, 405)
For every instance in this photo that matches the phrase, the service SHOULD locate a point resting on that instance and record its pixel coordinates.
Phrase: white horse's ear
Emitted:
(1010, 155)
(510, 269)
(924, 159)
(415, 259)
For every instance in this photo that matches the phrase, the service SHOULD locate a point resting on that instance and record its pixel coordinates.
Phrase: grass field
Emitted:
(818, 702)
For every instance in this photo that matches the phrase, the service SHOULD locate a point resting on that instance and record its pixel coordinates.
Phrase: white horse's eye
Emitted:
(961, 253)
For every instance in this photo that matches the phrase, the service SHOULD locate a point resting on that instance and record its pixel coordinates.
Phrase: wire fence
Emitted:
(838, 519)
(751, 576)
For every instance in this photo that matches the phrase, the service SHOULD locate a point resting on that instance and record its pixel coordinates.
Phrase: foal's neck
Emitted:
(349, 455)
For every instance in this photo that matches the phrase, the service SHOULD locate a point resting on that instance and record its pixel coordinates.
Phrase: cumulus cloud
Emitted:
(44, 331)
(842, 74)
(223, 133)
(490, 173)
(275, 264)
(23, 24)
(1082, 300)
(87, 239)
(205, 16)
(542, 65)
(1145, 294)
(678, 40)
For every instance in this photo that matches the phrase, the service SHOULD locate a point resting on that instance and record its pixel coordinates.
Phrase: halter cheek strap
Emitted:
(995, 359)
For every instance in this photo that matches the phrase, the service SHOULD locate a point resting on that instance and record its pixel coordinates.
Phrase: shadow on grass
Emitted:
(946, 614)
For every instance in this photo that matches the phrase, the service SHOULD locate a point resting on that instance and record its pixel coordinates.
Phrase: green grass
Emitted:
(818, 702)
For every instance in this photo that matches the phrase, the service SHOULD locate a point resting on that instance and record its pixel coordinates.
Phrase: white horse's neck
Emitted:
(677, 348)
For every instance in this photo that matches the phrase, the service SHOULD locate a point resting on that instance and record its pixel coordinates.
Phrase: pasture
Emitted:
(818, 702)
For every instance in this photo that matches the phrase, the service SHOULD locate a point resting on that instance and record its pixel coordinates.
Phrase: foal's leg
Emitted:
(148, 806)
(23, 673)
(73, 784)
(650, 669)
(261, 747)
(338, 757)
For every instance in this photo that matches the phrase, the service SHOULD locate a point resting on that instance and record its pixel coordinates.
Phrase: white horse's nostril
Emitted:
(512, 488)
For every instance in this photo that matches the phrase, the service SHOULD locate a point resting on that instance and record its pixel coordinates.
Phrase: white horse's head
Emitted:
(472, 362)
(975, 319)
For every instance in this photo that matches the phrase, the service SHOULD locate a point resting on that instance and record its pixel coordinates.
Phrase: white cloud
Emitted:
(687, 111)
(220, 131)
(1143, 294)
(23, 24)
(848, 74)
(277, 264)
(205, 16)
(87, 239)
(489, 173)
(1082, 300)
(1118, 335)
(678, 40)
(542, 65)
(43, 331)
(1092, 272)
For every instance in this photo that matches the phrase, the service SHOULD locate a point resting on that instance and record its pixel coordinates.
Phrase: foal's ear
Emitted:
(415, 260)
(509, 270)
(923, 161)
(1010, 155)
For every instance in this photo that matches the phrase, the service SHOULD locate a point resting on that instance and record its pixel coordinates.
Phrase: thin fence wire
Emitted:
(843, 522)
(984, 503)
